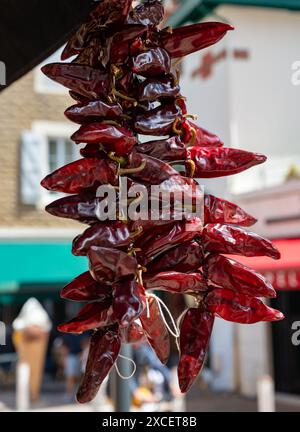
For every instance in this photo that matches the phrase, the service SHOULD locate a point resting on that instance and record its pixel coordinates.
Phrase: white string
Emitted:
(118, 370)
(178, 321)
(148, 308)
(159, 304)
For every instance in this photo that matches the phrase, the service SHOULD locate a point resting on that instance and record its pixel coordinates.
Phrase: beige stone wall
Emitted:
(20, 105)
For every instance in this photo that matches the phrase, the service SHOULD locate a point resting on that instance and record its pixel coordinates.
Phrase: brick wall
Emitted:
(20, 105)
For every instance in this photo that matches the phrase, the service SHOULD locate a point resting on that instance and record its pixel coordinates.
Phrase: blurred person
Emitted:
(72, 369)
(59, 353)
(157, 376)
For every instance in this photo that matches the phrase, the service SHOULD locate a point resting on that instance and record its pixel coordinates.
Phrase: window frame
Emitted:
(46, 130)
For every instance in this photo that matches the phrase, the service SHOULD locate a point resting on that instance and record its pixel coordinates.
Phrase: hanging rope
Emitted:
(160, 303)
(118, 370)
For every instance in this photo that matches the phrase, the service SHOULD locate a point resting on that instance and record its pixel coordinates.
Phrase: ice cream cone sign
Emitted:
(30, 337)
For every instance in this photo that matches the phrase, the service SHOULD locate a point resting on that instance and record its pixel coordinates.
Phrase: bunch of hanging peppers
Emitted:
(125, 84)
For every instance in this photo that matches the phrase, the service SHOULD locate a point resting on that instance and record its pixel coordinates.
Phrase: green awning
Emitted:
(195, 10)
(37, 263)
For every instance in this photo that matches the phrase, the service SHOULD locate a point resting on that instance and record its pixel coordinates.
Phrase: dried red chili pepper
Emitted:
(153, 89)
(175, 282)
(110, 266)
(156, 330)
(82, 174)
(146, 169)
(219, 161)
(91, 316)
(92, 55)
(188, 39)
(239, 308)
(85, 288)
(158, 121)
(119, 45)
(83, 208)
(151, 63)
(114, 234)
(164, 238)
(105, 346)
(217, 210)
(107, 12)
(150, 13)
(186, 257)
(134, 333)
(195, 331)
(228, 273)
(128, 301)
(89, 82)
(232, 240)
(113, 138)
(204, 138)
(170, 149)
(91, 111)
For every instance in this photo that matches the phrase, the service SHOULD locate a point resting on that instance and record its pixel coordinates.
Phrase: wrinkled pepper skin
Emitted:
(220, 161)
(239, 308)
(155, 243)
(230, 274)
(104, 350)
(83, 208)
(109, 266)
(91, 55)
(88, 82)
(91, 316)
(175, 282)
(204, 138)
(158, 121)
(114, 234)
(91, 111)
(188, 39)
(132, 334)
(120, 42)
(154, 172)
(85, 288)
(80, 175)
(156, 330)
(195, 332)
(232, 240)
(217, 210)
(128, 302)
(186, 257)
(150, 13)
(170, 149)
(113, 138)
(152, 63)
(107, 12)
(154, 88)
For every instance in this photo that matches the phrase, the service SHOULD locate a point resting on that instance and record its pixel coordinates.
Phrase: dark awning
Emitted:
(31, 30)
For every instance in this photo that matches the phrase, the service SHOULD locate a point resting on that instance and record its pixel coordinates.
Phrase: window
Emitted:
(55, 150)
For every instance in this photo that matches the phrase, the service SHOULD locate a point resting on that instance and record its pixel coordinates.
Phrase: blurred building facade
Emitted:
(34, 247)
(243, 89)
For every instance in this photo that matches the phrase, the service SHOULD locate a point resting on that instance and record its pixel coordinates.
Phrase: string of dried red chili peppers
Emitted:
(123, 84)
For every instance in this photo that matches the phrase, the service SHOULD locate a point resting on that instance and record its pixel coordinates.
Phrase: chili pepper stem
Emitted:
(125, 171)
(191, 168)
(120, 95)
